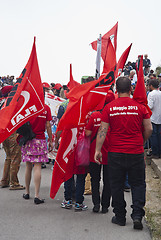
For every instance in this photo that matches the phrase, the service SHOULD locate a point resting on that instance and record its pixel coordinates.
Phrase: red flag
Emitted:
(140, 91)
(26, 99)
(110, 58)
(122, 61)
(112, 34)
(85, 98)
(94, 99)
(82, 99)
(64, 163)
(72, 83)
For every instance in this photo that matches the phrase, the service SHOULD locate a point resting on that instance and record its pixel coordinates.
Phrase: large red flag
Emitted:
(110, 58)
(72, 83)
(122, 61)
(112, 34)
(26, 100)
(140, 91)
(82, 99)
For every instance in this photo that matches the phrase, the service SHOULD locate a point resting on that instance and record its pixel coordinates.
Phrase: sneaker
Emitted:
(127, 188)
(138, 224)
(80, 207)
(43, 165)
(118, 222)
(67, 204)
(149, 153)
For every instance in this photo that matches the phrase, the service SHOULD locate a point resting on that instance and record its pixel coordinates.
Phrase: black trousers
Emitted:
(119, 165)
(95, 172)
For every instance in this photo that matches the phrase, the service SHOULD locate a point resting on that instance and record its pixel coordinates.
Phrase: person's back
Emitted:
(125, 119)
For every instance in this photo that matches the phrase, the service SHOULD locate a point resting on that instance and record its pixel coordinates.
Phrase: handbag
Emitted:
(26, 133)
(82, 153)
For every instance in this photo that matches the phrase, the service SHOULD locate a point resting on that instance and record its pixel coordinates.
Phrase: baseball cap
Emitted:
(57, 86)
(45, 85)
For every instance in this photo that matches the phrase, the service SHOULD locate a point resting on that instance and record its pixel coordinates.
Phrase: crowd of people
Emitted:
(118, 136)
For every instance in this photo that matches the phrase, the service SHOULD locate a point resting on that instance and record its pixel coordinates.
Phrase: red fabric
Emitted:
(125, 117)
(109, 97)
(64, 166)
(6, 89)
(38, 123)
(25, 101)
(110, 58)
(72, 83)
(81, 102)
(57, 86)
(140, 91)
(122, 61)
(93, 125)
(46, 85)
(105, 38)
(83, 99)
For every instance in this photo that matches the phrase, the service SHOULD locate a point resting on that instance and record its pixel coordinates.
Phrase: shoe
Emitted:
(88, 193)
(2, 185)
(104, 210)
(148, 154)
(38, 201)
(67, 204)
(26, 196)
(80, 207)
(96, 208)
(16, 187)
(116, 221)
(43, 165)
(127, 188)
(138, 224)
(49, 160)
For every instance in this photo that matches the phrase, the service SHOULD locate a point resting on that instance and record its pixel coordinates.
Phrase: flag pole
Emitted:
(98, 57)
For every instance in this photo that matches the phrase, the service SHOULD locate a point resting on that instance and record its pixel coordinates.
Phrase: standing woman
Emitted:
(34, 152)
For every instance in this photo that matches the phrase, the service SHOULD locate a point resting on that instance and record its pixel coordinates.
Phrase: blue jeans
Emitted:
(119, 165)
(156, 139)
(79, 189)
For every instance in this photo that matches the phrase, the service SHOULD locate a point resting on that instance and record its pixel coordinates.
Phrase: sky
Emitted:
(64, 30)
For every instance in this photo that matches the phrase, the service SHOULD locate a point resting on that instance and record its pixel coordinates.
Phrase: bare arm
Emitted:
(147, 129)
(58, 133)
(48, 128)
(101, 135)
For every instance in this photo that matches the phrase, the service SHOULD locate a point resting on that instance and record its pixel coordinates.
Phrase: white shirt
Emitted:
(154, 102)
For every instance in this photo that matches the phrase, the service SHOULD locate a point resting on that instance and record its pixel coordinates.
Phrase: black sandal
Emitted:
(26, 196)
(38, 201)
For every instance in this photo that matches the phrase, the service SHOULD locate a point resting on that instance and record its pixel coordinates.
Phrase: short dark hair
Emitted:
(154, 83)
(123, 85)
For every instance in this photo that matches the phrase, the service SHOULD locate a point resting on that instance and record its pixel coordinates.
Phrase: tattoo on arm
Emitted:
(102, 132)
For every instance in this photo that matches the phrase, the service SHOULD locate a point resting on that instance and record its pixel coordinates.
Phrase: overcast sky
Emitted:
(64, 30)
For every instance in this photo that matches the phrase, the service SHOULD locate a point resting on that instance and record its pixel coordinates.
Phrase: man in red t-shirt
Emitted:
(130, 127)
